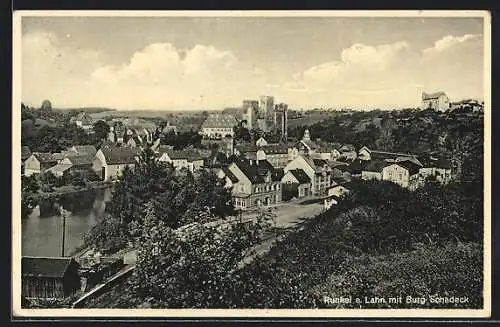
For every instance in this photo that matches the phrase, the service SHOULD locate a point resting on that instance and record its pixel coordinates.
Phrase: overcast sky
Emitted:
(212, 63)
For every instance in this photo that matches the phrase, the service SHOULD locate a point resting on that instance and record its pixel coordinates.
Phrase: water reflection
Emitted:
(42, 230)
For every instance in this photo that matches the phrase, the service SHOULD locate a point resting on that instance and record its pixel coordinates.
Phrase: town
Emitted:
(250, 152)
(251, 160)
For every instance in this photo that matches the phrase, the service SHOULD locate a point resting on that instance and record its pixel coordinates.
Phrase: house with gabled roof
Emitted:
(276, 154)
(84, 121)
(436, 169)
(218, 126)
(256, 183)
(78, 163)
(191, 159)
(49, 278)
(39, 162)
(110, 161)
(318, 171)
(296, 183)
(402, 173)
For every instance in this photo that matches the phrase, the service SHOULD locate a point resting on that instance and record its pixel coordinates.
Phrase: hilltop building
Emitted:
(437, 101)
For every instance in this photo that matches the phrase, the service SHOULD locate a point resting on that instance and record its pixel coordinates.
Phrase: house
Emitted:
(335, 194)
(81, 164)
(110, 161)
(305, 146)
(49, 278)
(25, 154)
(403, 173)
(276, 154)
(168, 128)
(224, 145)
(135, 141)
(248, 151)
(191, 159)
(366, 154)
(261, 142)
(256, 183)
(296, 183)
(82, 150)
(372, 170)
(229, 178)
(38, 163)
(83, 120)
(438, 101)
(216, 159)
(347, 152)
(218, 126)
(318, 171)
(438, 170)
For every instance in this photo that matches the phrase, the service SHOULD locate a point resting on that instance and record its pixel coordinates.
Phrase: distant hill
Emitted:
(89, 110)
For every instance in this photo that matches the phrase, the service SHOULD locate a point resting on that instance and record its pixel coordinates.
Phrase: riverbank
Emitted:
(71, 189)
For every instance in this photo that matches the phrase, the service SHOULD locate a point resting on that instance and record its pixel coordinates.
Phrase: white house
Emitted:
(335, 195)
(39, 162)
(404, 173)
(318, 171)
(187, 158)
(437, 101)
(218, 126)
(296, 183)
(109, 162)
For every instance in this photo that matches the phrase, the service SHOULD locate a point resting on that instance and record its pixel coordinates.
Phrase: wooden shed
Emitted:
(49, 277)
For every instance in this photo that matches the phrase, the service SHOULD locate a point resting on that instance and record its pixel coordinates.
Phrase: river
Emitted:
(42, 229)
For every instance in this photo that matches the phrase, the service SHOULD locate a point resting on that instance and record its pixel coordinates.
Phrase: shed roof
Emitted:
(45, 266)
(220, 121)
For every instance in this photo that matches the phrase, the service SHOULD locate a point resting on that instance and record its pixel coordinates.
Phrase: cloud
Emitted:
(160, 75)
(356, 63)
(449, 41)
(390, 75)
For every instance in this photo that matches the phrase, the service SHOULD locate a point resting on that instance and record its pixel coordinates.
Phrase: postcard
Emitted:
(264, 164)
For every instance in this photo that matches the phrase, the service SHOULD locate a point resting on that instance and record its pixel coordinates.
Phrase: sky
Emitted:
(216, 62)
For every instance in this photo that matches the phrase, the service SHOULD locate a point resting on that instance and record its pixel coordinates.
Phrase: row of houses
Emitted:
(75, 158)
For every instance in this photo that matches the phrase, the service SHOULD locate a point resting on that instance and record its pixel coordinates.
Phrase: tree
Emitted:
(46, 106)
(101, 129)
(194, 266)
(108, 235)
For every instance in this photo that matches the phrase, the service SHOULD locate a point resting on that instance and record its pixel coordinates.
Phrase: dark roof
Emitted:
(25, 152)
(45, 157)
(119, 155)
(85, 149)
(357, 166)
(81, 160)
(319, 162)
(410, 166)
(274, 148)
(300, 175)
(44, 267)
(189, 154)
(442, 163)
(375, 166)
(247, 148)
(428, 96)
(257, 170)
(230, 174)
(347, 147)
